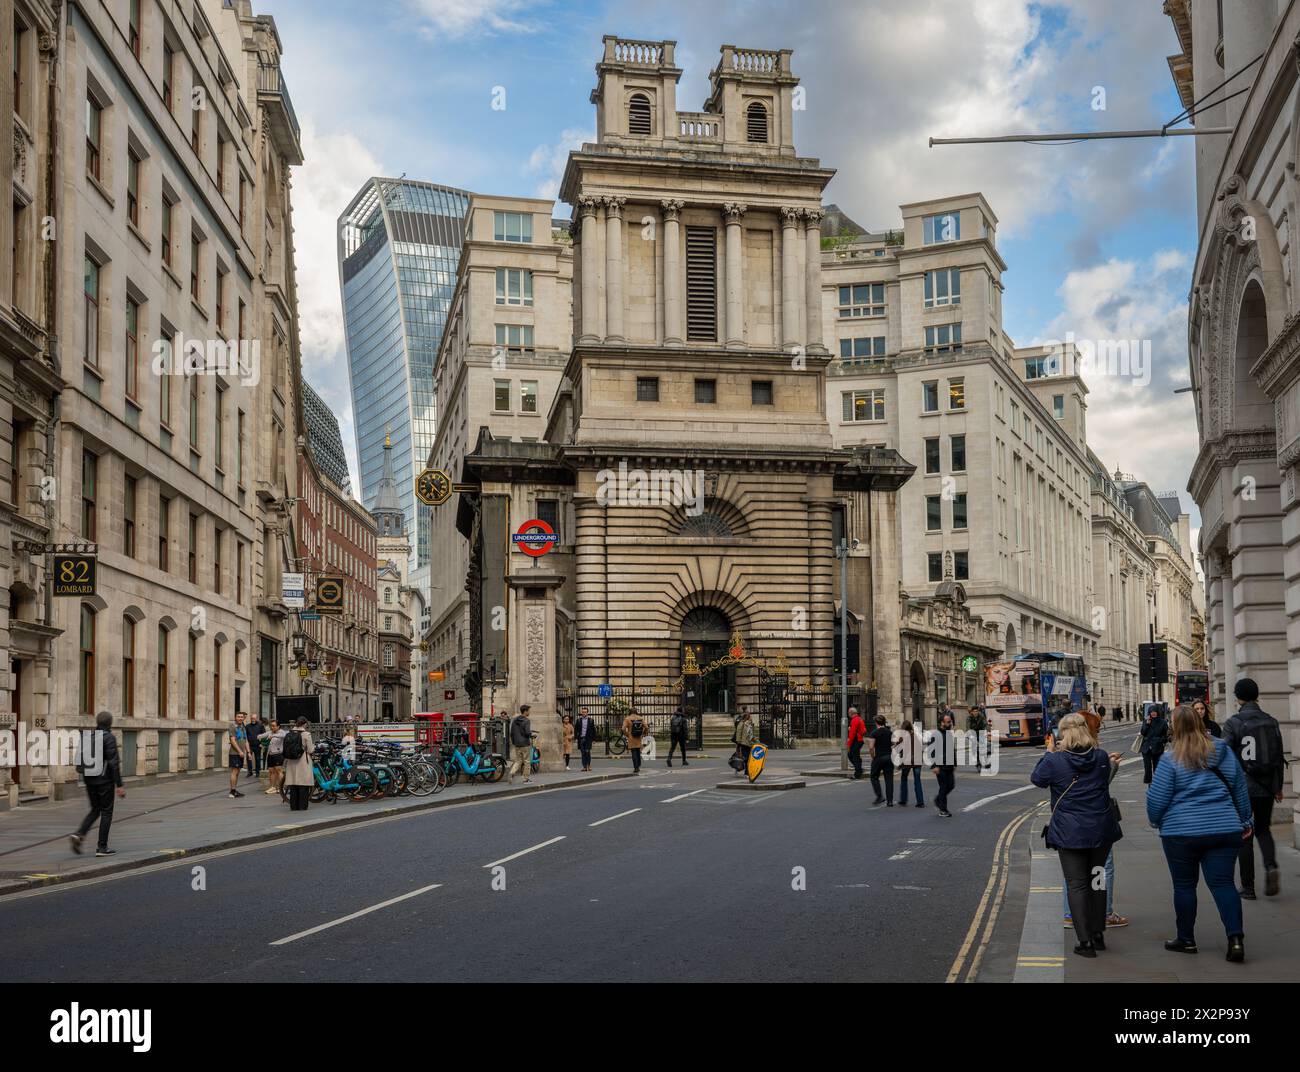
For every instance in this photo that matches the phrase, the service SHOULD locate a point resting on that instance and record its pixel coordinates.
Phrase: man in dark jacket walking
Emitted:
(943, 746)
(521, 744)
(101, 769)
(677, 736)
(1154, 734)
(1256, 739)
(584, 732)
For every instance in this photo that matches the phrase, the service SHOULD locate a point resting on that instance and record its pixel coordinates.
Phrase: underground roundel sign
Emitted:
(535, 537)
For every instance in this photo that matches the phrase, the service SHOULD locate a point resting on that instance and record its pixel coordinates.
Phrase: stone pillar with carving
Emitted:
(734, 214)
(588, 207)
(813, 280)
(592, 602)
(614, 268)
(791, 285)
(533, 590)
(674, 332)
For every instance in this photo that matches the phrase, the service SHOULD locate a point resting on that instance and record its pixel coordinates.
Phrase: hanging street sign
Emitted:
(535, 538)
(433, 487)
(293, 591)
(329, 595)
(74, 575)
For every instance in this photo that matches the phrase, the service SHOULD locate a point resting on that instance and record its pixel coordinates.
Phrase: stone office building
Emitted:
(691, 420)
(1244, 343)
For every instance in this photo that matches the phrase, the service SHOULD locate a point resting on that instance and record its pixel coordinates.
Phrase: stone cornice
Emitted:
(1278, 367)
(1228, 448)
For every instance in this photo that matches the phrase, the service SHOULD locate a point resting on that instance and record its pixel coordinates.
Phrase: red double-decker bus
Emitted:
(1192, 685)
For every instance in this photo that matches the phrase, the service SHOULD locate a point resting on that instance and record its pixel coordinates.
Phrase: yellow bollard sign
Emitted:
(757, 756)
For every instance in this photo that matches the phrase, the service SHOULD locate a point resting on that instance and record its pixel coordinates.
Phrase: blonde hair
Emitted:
(1191, 745)
(1073, 732)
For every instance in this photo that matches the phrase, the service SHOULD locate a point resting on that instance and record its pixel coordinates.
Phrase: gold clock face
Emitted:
(433, 487)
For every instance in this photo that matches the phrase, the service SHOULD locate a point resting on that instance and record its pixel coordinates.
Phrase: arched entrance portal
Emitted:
(707, 632)
(918, 695)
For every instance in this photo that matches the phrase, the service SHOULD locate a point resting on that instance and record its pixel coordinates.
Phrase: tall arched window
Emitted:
(192, 665)
(87, 642)
(756, 123)
(638, 114)
(128, 667)
(162, 672)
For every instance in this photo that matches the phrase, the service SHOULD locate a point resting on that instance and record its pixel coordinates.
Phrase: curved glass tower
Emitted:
(399, 246)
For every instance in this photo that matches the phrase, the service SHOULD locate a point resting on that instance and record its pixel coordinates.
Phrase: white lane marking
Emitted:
(524, 852)
(998, 796)
(683, 796)
(355, 915)
(902, 855)
(630, 811)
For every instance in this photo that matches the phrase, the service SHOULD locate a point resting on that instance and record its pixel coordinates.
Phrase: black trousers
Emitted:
(101, 808)
(883, 765)
(1262, 809)
(947, 778)
(636, 757)
(1084, 871)
(672, 747)
(1149, 762)
(585, 748)
(298, 797)
(254, 760)
(855, 757)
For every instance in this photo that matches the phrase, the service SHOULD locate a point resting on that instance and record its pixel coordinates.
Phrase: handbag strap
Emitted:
(1062, 796)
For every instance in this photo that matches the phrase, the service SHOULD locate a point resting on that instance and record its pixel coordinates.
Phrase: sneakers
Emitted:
(1272, 882)
(1116, 920)
(920, 804)
(76, 843)
(946, 814)
(271, 791)
(878, 801)
(113, 852)
(235, 793)
(889, 804)
(1248, 893)
(1068, 923)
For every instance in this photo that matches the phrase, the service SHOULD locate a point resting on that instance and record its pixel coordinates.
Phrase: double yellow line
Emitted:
(972, 952)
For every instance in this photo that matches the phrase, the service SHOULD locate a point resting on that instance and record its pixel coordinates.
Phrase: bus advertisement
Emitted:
(1026, 696)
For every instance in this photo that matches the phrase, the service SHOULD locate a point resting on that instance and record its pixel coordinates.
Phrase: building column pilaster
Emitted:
(587, 209)
(734, 214)
(673, 331)
(790, 282)
(813, 280)
(614, 269)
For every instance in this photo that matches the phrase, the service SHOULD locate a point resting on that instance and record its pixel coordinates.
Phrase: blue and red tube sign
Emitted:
(535, 537)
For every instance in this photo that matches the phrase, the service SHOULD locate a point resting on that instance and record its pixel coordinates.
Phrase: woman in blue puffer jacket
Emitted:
(1199, 802)
(1083, 826)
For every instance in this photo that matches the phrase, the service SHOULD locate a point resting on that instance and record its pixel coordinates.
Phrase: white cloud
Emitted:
(549, 161)
(336, 166)
(457, 18)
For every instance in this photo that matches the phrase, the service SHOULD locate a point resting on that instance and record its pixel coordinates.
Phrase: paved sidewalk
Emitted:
(193, 813)
(1144, 893)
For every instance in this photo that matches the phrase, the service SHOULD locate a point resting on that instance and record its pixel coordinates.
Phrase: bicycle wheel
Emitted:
(400, 780)
(618, 745)
(420, 780)
(366, 782)
(439, 776)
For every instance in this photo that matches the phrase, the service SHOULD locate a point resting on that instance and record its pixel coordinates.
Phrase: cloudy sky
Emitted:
(1099, 236)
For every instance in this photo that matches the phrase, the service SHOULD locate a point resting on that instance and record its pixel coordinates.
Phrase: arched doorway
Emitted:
(1012, 648)
(1251, 407)
(707, 631)
(917, 692)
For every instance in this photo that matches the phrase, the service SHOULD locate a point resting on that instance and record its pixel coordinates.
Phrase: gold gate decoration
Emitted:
(736, 656)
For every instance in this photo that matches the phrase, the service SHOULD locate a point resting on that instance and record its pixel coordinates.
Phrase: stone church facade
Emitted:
(689, 430)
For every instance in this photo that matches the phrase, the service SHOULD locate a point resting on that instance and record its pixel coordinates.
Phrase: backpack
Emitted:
(637, 727)
(1268, 760)
(678, 725)
(293, 748)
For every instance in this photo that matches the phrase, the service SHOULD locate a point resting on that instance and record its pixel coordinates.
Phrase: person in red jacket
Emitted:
(857, 734)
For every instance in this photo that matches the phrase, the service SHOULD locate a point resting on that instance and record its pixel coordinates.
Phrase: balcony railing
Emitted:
(699, 126)
(642, 53)
(270, 82)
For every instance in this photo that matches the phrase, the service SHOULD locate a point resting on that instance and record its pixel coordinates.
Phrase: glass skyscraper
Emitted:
(399, 246)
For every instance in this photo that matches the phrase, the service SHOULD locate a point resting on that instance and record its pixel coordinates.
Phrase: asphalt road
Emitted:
(695, 884)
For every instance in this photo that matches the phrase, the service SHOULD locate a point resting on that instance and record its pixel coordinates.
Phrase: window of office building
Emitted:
(706, 391)
(761, 393)
(87, 645)
(1058, 407)
(957, 393)
(647, 388)
(930, 397)
(959, 510)
(934, 567)
(862, 299)
(90, 293)
(516, 338)
(943, 338)
(528, 396)
(512, 226)
(869, 346)
(933, 513)
(942, 287)
(957, 448)
(701, 283)
(933, 464)
(961, 565)
(941, 228)
(866, 405)
(514, 286)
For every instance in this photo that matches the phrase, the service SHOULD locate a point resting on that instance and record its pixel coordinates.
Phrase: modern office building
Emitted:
(324, 440)
(399, 244)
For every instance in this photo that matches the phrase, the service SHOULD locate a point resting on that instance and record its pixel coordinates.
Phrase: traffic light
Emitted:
(1153, 663)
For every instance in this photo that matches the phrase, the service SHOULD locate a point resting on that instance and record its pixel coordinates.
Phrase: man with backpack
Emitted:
(634, 730)
(676, 736)
(1256, 739)
(101, 769)
(521, 745)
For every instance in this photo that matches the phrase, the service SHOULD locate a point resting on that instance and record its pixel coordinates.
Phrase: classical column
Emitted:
(790, 283)
(587, 208)
(614, 268)
(673, 330)
(813, 278)
(734, 213)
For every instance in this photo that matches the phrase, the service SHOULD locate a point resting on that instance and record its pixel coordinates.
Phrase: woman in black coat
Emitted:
(1083, 825)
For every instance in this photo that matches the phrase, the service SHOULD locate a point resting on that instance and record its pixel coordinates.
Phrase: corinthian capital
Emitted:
(813, 216)
(588, 205)
(614, 206)
(734, 211)
(790, 217)
(672, 210)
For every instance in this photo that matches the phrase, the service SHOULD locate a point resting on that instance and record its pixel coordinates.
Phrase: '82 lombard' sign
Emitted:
(73, 575)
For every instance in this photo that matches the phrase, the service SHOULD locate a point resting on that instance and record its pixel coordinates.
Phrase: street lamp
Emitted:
(299, 642)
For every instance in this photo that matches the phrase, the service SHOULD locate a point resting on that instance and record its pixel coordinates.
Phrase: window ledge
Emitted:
(96, 372)
(139, 236)
(198, 307)
(102, 189)
(167, 271)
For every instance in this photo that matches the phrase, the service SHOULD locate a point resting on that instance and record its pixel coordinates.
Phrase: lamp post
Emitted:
(842, 550)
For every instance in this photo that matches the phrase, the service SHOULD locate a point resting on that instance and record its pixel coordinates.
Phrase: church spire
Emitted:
(388, 512)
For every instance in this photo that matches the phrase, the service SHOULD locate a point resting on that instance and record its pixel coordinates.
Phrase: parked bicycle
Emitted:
(472, 761)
